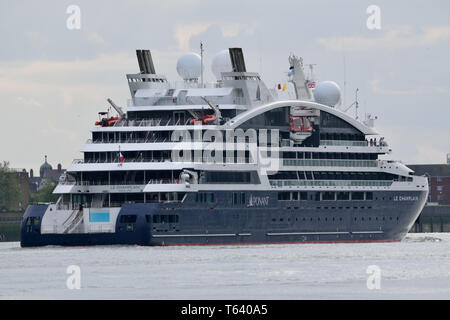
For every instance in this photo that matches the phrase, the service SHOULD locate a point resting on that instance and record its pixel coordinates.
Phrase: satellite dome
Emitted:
(221, 63)
(189, 66)
(327, 93)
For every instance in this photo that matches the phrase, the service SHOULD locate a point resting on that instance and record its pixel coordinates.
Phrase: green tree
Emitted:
(45, 194)
(9, 187)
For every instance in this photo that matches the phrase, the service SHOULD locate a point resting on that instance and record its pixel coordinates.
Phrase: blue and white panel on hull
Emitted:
(100, 220)
(96, 216)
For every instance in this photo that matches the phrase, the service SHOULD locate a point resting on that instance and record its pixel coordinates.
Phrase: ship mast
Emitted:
(201, 63)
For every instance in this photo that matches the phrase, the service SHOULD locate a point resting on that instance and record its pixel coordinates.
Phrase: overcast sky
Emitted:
(54, 81)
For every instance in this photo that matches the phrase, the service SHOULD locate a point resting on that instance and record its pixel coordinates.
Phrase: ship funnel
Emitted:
(237, 60)
(145, 61)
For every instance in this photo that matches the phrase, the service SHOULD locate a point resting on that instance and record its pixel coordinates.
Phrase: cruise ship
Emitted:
(228, 162)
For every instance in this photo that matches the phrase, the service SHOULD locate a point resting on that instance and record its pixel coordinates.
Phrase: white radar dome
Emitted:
(189, 66)
(221, 63)
(327, 93)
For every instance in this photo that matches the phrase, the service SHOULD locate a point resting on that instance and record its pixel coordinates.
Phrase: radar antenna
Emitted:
(311, 70)
(201, 63)
(355, 103)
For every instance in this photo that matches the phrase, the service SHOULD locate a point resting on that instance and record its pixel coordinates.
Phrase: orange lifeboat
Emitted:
(206, 119)
(108, 122)
(300, 124)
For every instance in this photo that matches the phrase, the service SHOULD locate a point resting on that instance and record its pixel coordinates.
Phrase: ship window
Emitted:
(357, 195)
(33, 221)
(295, 196)
(369, 195)
(228, 176)
(343, 196)
(128, 218)
(204, 197)
(303, 196)
(327, 195)
(317, 196)
(238, 198)
(284, 196)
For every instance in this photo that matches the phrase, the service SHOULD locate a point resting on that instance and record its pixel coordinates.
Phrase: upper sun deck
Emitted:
(238, 99)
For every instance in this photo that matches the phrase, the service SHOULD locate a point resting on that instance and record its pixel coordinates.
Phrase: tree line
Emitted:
(9, 187)
(10, 193)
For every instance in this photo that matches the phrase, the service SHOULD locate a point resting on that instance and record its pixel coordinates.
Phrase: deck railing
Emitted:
(227, 160)
(344, 143)
(331, 183)
(330, 163)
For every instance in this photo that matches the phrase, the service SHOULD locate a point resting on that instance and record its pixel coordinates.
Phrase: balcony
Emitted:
(346, 143)
(351, 143)
(226, 160)
(330, 163)
(331, 183)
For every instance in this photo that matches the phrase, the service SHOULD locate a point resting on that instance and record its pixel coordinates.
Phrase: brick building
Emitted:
(435, 216)
(438, 179)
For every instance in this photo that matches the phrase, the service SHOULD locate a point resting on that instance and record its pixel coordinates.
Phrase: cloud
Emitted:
(36, 39)
(28, 102)
(96, 38)
(429, 154)
(394, 37)
(415, 149)
(32, 76)
(375, 86)
(230, 30)
(57, 103)
(183, 33)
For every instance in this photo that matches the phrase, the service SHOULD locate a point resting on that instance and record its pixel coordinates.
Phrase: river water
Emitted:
(416, 268)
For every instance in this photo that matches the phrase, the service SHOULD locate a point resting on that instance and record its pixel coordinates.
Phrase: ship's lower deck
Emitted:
(236, 218)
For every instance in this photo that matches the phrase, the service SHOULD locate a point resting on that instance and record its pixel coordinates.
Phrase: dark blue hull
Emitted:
(386, 217)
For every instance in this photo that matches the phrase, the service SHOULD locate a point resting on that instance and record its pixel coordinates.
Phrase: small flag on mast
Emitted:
(121, 157)
(311, 85)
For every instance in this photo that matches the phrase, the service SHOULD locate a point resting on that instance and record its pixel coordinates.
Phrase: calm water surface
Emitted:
(416, 268)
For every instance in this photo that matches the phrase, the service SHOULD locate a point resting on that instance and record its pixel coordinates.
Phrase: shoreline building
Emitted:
(435, 216)
(46, 172)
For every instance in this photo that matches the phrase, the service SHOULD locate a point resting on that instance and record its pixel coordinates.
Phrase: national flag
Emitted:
(284, 87)
(121, 157)
(311, 85)
(279, 86)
